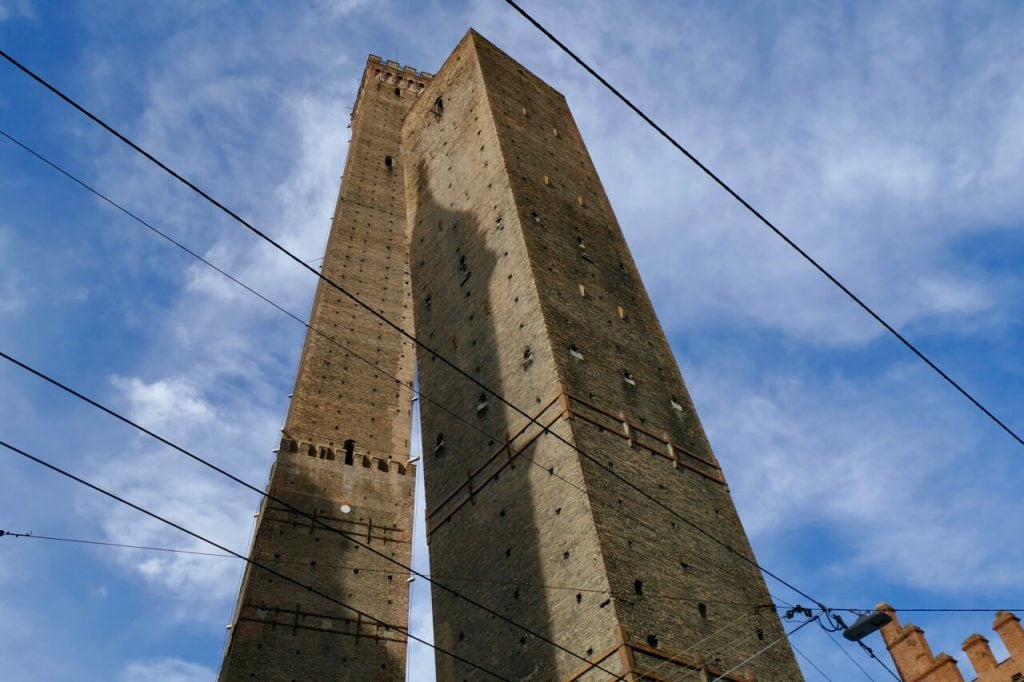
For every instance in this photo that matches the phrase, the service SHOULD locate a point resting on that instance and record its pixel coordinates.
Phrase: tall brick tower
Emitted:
(344, 451)
(522, 278)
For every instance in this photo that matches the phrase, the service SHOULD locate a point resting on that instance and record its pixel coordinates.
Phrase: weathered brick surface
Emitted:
(281, 631)
(522, 277)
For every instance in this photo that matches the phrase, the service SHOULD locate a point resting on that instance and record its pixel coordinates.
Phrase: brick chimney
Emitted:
(1007, 626)
(980, 654)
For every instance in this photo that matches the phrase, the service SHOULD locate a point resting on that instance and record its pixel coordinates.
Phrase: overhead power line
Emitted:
(767, 223)
(313, 519)
(766, 648)
(388, 322)
(280, 308)
(270, 302)
(871, 653)
(510, 583)
(252, 562)
(812, 663)
(847, 654)
(329, 338)
(571, 588)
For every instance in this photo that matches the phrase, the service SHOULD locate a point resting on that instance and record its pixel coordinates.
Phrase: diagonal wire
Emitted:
(692, 647)
(388, 322)
(171, 550)
(871, 653)
(808, 659)
(847, 654)
(785, 635)
(252, 562)
(769, 224)
(313, 329)
(314, 519)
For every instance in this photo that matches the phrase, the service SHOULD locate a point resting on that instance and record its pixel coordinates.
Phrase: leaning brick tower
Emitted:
(343, 457)
(523, 279)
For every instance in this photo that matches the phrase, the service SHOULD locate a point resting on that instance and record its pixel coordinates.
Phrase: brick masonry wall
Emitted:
(522, 277)
(346, 437)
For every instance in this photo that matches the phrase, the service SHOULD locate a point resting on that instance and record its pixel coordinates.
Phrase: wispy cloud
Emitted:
(885, 467)
(165, 670)
(881, 137)
(13, 294)
(17, 9)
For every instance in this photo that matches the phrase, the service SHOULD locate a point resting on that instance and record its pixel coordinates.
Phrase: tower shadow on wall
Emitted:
(303, 550)
(486, 526)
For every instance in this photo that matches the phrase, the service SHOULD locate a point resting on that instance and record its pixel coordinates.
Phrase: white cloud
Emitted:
(165, 670)
(17, 9)
(13, 293)
(200, 587)
(165, 402)
(882, 464)
(857, 142)
(336, 9)
(862, 138)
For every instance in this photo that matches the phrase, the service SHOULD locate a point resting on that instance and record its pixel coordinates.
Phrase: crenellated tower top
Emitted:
(380, 73)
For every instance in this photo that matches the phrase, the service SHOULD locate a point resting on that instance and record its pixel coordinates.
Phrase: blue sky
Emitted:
(887, 138)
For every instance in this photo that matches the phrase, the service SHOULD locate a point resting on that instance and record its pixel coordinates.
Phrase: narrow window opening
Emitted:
(481, 405)
(535, 216)
(638, 586)
(760, 634)
(499, 223)
(398, 92)
(676, 405)
(527, 356)
(579, 597)
(627, 376)
(583, 291)
(622, 313)
(438, 107)
(382, 465)
(427, 303)
(652, 640)
(387, 161)
(439, 444)
(702, 609)
(575, 352)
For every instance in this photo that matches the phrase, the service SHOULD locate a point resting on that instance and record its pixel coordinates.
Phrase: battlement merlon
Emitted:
(405, 79)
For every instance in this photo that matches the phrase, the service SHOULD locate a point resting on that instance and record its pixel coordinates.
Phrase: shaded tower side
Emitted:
(554, 316)
(490, 496)
(343, 456)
